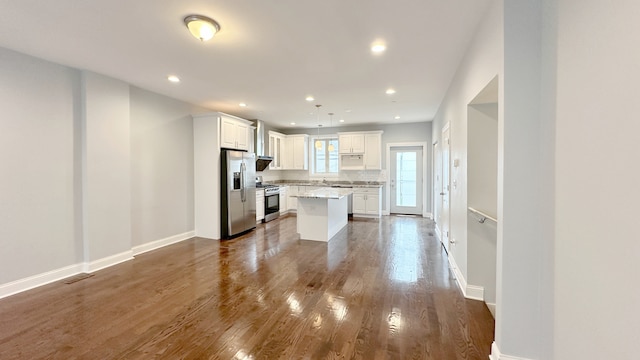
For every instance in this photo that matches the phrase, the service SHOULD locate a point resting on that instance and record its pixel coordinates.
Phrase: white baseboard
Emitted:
(100, 264)
(474, 292)
(34, 281)
(497, 355)
(366, 216)
(460, 280)
(428, 215)
(140, 249)
(492, 309)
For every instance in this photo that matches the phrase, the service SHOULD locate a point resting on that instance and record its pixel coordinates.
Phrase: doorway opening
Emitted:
(406, 193)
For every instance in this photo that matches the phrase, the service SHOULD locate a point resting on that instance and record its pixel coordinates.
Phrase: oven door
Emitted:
(271, 207)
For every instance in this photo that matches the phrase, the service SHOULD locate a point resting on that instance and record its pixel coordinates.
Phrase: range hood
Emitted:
(262, 161)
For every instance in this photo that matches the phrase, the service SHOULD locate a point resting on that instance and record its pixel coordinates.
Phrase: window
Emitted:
(324, 161)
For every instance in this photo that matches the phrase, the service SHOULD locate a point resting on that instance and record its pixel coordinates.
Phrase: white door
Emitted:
(445, 187)
(406, 180)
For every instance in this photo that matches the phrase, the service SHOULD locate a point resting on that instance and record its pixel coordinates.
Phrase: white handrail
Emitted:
(483, 216)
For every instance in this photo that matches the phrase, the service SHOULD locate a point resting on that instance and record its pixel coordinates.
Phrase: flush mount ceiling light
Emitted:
(173, 79)
(201, 27)
(309, 98)
(390, 91)
(397, 117)
(242, 105)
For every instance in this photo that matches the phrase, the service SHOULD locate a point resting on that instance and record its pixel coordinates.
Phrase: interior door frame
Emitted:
(425, 151)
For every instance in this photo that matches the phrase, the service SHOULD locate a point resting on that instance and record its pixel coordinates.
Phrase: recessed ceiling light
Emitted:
(378, 48)
(341, 120)
(173, 78)
(309, 98)
(242, 105)
(349, 110)
(390, 91)
(397, 117)
(293, 123)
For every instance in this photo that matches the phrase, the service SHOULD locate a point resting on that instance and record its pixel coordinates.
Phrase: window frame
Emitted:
(312, 155)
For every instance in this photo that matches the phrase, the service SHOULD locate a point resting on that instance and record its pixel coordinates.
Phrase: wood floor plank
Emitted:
(380, 289)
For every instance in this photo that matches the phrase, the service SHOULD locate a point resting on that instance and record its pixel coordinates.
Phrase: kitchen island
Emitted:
(322, 213)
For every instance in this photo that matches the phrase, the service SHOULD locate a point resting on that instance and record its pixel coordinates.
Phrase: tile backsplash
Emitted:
(345, 175)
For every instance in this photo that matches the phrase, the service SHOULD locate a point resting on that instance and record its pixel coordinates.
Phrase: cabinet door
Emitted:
(242, 136)
(299, 153)
(357, 143)
(283, 199)
(344, 144)
(228, 133)
(279, 152)
(359, 203)
(373, 204)
(287, 153)
(372, 155)
(292, 202)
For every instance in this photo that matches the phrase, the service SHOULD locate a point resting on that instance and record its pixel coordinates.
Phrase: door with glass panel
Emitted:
(406, 180)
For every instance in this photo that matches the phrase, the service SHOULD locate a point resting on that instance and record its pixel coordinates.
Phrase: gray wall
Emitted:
(161, 166)
(91, 167)
(38, 203)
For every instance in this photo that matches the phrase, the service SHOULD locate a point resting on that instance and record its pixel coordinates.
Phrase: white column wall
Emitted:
(520, 229)
(482, 62)
(597, 175)
(106, 169)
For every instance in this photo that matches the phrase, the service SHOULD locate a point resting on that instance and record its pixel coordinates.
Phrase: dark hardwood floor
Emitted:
(381, 289)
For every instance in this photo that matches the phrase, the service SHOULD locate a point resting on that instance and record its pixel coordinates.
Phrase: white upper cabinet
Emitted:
(373, 151)
(360, 150)
(277, 148)
(234, 133)
(352, 143)
(289, 152)
(299, 146)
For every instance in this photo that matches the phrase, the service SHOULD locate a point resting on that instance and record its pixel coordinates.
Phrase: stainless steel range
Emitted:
(271, 200)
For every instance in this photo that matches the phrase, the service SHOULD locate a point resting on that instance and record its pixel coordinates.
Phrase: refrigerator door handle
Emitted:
(243, 193)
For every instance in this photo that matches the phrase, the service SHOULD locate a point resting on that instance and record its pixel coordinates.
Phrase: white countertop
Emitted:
(328, 185)
(324, 193)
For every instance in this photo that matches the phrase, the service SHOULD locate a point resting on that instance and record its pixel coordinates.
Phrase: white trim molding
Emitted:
(474, 292)
(100, 264)
(428, 215)
(460, 280)
(492, 309)
(497, 355)
(34, 281)
(153, 245)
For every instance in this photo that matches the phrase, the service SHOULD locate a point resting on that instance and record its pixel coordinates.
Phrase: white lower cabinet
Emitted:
(259, 205)
(367, 202)
(283, 199)
(292, 202)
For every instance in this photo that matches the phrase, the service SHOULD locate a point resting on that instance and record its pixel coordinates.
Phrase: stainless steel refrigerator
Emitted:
(238, 195)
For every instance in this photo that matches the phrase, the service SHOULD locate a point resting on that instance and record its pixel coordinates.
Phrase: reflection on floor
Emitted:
(379, 289)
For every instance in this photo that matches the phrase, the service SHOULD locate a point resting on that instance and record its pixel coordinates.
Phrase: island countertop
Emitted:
(324, 193)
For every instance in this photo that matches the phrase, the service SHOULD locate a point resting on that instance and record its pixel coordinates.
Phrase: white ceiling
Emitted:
(269, 54)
